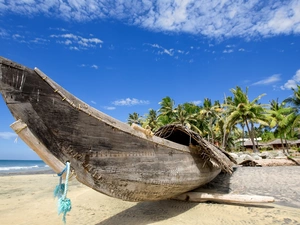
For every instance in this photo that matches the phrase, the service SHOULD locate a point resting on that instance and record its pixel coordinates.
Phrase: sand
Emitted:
(27, 199)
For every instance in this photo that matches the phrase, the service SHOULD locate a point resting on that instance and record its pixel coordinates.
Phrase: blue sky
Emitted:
(125, 56)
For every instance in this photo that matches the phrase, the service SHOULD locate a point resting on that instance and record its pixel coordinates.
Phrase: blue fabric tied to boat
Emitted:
(60, 192)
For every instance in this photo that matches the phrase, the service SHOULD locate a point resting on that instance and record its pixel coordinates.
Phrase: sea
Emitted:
(23, 167)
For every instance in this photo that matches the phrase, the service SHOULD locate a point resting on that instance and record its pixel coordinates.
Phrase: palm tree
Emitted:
(134, 118)
(163, 120)
(209, 113)
(281, 118)
(151, 120)
(223, 120)
(185, 118)
(167, 107)
(295, 99)
(243, 110)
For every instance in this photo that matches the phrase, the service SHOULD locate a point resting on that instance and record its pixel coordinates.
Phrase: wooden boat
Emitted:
(105, 154)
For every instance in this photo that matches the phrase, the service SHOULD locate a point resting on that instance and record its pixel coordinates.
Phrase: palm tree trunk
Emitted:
(243, 135)
(225, 142)
(283, 150)
(212, 133)
(286, 144)
(254, 135)
(225, 137)
(251, 136)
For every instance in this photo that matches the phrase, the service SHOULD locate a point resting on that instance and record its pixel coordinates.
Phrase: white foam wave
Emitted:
(18, 168)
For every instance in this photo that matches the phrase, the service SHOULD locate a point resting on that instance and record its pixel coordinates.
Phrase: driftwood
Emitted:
(290, 158)
(223, 198)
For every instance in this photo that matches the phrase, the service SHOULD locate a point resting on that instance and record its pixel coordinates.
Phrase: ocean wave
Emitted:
(18, 168)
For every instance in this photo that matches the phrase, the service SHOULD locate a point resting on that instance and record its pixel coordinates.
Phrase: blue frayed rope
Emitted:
(60, 191)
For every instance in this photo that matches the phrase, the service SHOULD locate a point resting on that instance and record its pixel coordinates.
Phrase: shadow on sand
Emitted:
(149, 212)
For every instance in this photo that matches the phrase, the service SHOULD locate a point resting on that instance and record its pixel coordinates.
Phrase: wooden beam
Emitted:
(28, 137)
(223, 198)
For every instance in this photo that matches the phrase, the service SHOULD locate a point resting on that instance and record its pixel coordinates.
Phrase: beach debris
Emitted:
(250, 163)
(290, 158)
(60, 191)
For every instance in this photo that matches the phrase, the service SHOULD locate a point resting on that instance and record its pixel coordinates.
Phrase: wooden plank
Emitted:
(223, 198)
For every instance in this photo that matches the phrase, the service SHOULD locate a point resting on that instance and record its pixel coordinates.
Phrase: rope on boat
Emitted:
(60, 191)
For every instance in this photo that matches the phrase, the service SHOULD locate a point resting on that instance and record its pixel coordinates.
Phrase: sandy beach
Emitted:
(28, 199)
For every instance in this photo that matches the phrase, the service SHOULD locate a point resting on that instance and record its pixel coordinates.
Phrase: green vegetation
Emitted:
(237, 117)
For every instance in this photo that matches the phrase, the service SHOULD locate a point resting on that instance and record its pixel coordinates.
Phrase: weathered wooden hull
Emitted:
(105, 154)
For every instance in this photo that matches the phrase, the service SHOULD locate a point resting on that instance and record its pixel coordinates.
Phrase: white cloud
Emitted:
(80, 42)
(196, 102)
(292, 83)
(68, 42)
(39, 40)
(216, 18)
(228, 51)
(241, 50)
(166, 51)
(3, 32)
(25, 39)
(91, 66)
(93, 102)
(272, 79)
(58, 28)
(130, 102)
(162, 50)
(17, 36)
(109, 107)
(74, 48)
(7, 135)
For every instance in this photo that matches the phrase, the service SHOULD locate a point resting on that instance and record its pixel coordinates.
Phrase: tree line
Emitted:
(236, 117)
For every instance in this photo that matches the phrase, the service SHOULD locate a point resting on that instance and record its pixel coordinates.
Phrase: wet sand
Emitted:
(28, 200)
